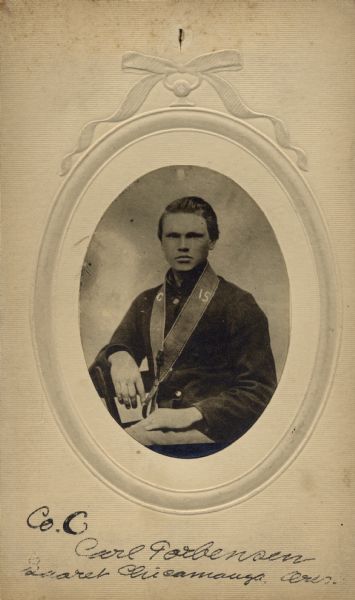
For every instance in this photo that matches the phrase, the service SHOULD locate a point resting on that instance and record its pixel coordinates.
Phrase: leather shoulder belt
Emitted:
(166, 350)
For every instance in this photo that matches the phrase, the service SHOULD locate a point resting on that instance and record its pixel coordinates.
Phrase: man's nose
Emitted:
(183, 244)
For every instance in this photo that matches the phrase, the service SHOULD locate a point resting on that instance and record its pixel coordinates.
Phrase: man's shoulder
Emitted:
(236, 298)
(232, 290)
(147, 296)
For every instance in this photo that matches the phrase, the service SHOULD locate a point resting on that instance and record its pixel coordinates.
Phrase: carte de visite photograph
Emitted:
(184, 311)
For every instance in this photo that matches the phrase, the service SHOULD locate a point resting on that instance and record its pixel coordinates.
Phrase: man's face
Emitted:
(185, 240)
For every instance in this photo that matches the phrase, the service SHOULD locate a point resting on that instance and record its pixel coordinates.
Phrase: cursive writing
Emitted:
(37, 519)
(141, 572)
(36, 571)
(161, 559)
(88, 547)
(297, 577)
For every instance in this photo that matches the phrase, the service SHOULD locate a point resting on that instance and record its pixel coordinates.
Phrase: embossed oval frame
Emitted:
(201, 137)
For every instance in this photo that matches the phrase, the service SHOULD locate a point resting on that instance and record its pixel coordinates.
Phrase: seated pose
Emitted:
(211, 368)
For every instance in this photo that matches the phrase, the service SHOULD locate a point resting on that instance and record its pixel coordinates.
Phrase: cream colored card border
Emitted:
(212, 139)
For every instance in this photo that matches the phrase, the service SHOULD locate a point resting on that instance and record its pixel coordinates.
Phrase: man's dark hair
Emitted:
(194, 205)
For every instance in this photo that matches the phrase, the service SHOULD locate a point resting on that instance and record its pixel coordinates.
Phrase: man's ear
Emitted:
(211, 244)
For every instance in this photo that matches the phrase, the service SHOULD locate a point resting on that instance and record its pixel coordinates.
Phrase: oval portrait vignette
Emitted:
(184, 311)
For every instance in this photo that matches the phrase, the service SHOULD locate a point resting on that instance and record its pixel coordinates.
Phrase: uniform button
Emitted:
(178, 394)
(176, 301)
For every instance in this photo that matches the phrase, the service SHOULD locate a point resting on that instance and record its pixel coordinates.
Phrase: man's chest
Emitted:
(211, 333)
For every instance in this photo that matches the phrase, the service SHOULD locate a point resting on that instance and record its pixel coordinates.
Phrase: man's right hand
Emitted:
(126, 379)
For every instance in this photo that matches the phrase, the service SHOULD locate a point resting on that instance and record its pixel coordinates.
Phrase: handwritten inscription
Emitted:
(88, 547)
(297, 577)
(37, 519)
(161, 559)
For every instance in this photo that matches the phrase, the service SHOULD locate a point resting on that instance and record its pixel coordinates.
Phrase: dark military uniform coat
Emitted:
(226, 369)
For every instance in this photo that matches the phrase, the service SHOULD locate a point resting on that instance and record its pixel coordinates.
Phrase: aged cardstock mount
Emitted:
(265, 167)
(62, 454)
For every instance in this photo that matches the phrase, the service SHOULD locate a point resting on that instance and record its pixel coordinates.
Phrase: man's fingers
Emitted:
(125, 394)
(118, 389)
(151, 426)
(132, 393)
(131, 389)
(170, 418)
(140, 388)
(127, 390)
(154, 426)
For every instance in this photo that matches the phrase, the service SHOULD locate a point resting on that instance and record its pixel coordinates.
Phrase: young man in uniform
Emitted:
(211, 367)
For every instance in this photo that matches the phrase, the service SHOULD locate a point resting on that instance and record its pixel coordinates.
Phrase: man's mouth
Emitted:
(183, 258)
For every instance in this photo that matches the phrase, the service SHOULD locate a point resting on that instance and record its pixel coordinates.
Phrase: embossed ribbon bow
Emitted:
(182, 79)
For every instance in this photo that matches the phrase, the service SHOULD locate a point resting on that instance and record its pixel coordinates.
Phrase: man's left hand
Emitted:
(172, 418)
